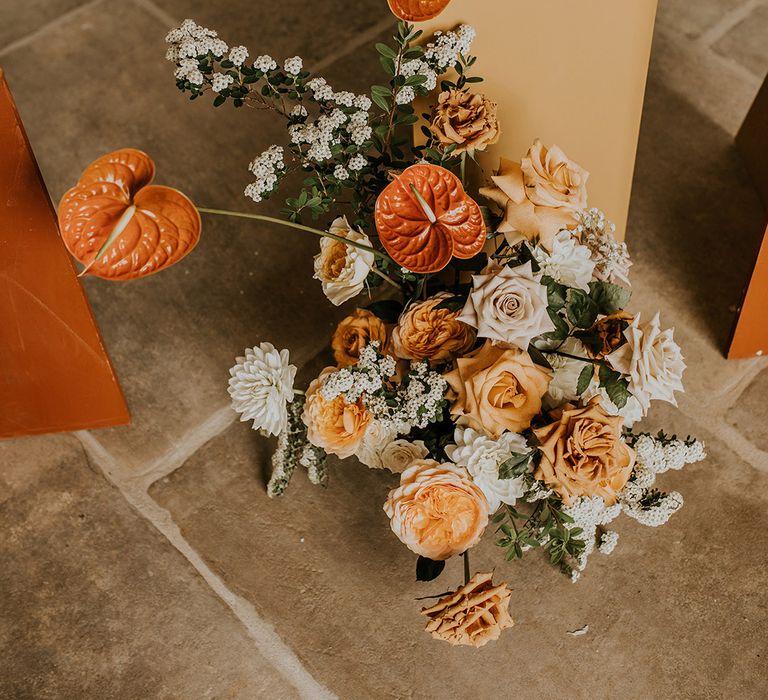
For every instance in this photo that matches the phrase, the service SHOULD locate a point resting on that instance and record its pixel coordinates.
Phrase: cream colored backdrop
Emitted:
(571, 72)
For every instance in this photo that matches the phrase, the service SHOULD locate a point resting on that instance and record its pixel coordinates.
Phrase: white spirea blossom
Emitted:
(220, 81)
(341, 268)
(610, 256)
(652, 361)
(293, 65)
(608, 541)
(569, 263)
(265, 63)
(405, 95)
(340, 172)
(482, 456)
(589, 513)
(657, 514)
(444, 51)
(238, 54)
(261, 386)
(357, 162)
(267, 167)
(190, 40)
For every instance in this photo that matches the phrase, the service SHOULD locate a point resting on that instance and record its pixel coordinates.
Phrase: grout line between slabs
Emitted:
(727, 22)
(21, 42)
(267, 641)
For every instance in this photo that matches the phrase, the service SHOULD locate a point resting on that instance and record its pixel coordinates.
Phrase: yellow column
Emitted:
(570, 72)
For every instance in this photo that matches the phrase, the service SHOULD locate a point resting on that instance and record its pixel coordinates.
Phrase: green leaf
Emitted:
(428, 569)
(581, 309)
(561, 326)
(615, 385)
(387, 64)
(220, 100)
(380, 101)
(385, 50)
(538, 357)
(516, 465)
(609, 297)
(556, 293)
(585, 378)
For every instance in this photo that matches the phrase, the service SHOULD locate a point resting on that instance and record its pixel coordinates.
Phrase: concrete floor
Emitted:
(147, 562)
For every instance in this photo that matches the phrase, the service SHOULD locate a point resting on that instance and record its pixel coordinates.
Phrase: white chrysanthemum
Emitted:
(261, 386)
(569, 263)
(377, 436)
(565, 373)
(482, 456)
(400, 454)
(652, 361)
(342, 268)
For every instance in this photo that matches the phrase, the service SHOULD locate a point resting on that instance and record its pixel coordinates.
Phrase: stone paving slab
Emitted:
(749, 414)
(96, 604)
(21, 17)
(694, 18)
(745, 43)
(668, 617)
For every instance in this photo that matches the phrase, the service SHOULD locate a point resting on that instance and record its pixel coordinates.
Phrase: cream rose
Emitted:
(508, 305)
(342, 268)
(400, 454)
(652, 361)
(582, 454)
(375, 439)
(465, 120)
(437, 511)
(425, 332)
(334, 425)
(539, 196)
(497, 389)
(354, 333)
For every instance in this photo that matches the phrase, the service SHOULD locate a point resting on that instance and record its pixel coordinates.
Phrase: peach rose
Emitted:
(473, 615)
(497, 389)
(354, 333)
(539, 196)
(336, 426)
(582, 454)
(424, 332)
(465, 120)
(437, 511)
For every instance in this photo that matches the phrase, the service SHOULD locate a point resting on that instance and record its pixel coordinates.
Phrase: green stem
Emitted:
(300, 227)
(386, 278)
(574, 357)
(466, 567)
(463, 168)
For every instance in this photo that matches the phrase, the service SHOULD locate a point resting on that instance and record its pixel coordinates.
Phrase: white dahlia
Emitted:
(261, 386)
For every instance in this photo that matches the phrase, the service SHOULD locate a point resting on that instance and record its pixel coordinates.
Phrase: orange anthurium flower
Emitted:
(121, 227)
(424, 218)
(417, 10)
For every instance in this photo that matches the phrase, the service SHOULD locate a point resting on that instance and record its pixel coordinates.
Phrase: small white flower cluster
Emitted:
(267, 167)
(190, 40)
(660, 455)
(221, 81)
(315, 460)
(446, 48)
(293, 65)
(290, 448)
(608, 542)
(365, 378)
(333, 125)
(417, 402)
(610, 256)
(238, 54)
(589, 513)
(658, 513)
(419, 67)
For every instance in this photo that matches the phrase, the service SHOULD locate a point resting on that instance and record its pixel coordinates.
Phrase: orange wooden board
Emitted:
(54, 371)
(750, 334)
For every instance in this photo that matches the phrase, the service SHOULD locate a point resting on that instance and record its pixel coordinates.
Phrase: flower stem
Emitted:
(465, 555)
(300, 227)
(574, 357)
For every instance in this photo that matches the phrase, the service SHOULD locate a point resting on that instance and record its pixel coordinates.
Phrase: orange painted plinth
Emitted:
(54, 371)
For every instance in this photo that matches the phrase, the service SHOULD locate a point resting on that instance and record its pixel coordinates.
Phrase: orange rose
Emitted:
(424, 332)
(336, 426)
(354, 333)
(582, 454)
(464, 119)
(437, 511)
(497, 389)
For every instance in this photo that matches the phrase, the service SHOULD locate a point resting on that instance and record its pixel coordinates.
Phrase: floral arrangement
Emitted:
(492, 365)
